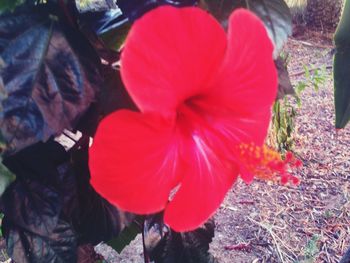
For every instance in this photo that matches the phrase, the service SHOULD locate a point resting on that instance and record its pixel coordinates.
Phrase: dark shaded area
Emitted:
(284, 84)
(50, 76)
(133, 9)
(163, 245)
(51, 208)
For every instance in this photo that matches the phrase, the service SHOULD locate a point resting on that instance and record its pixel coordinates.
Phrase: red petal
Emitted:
(202, 190)
(247, 83)
(169, 56)
(134, 161)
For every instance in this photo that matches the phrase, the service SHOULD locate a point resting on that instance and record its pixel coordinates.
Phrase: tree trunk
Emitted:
(323, 14)
(341, 73)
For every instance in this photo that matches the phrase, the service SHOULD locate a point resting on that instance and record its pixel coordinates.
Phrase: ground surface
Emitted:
(308, 223)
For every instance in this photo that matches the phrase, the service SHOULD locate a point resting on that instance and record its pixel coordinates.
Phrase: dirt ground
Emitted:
(309, 223)
(271, 223)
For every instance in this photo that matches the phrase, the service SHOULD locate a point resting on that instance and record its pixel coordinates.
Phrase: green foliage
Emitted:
(115, 38)
(311, 249)
(283, 125)
(314, 78)
(1, 217)
(284, 112)
(317, 78)
(6, 177)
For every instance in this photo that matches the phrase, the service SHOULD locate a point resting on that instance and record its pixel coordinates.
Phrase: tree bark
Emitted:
(323, 14)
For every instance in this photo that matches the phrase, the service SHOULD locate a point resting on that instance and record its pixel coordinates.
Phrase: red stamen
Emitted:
(267, 164)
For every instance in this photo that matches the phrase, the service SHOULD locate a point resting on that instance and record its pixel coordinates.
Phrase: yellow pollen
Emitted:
(265, 163)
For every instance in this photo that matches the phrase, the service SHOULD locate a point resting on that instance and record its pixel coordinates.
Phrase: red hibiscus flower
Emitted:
(205, 104)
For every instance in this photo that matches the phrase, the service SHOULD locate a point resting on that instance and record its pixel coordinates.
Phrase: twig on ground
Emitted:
(240, 247)
(272, 234)
(305, 43)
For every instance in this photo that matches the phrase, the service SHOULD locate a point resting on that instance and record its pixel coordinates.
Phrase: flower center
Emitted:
(261, 161)
(190, 117)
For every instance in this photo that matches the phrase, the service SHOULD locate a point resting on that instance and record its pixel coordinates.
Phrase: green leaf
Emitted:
(311, 248)
(275, 14)
(307, 72)
(6, 177)
(300, 87)
(50, 76)
(115, 38)
(277, 18)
